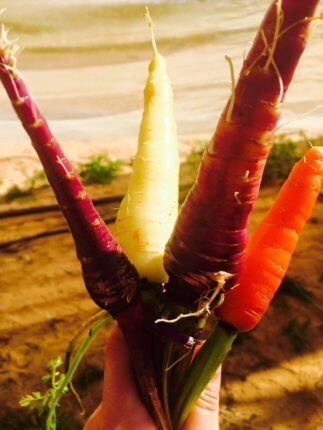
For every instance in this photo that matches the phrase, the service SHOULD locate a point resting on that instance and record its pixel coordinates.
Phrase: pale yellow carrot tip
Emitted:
(151, 27)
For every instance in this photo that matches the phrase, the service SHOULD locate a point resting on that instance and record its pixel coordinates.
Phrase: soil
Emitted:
(272, 379)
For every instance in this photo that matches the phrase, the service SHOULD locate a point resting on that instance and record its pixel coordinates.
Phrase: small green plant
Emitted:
(45, 405)
(296, 332)
(194, 157)
(37, 180)
(16, 192)
(284, 154)
(99, 170)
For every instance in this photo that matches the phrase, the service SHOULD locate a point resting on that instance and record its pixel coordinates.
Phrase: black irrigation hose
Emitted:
(42, 234)
(11, 213)
(51, 208)
(55, 208)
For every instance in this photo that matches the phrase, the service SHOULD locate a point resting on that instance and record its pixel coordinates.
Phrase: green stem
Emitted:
(167, 356)
(93, 332)
(205, 364)
(79, 336)
(184, 358)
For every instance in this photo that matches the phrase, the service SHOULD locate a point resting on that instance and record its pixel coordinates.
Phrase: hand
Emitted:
(122, 408)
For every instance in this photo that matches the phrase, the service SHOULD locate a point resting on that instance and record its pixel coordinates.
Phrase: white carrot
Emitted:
(149, 209)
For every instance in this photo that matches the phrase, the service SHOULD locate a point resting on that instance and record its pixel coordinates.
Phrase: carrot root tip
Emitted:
(151, 27)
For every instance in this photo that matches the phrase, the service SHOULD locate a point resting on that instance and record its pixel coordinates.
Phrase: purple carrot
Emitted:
(110, 278)
(210, 234)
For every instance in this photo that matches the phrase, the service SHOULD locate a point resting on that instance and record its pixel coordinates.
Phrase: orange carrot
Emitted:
(271, 247)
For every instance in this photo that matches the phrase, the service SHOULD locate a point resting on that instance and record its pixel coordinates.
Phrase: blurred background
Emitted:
(86, 63)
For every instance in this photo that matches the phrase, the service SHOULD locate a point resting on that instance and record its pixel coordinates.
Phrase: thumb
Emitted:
(121, 406)
(205, 414)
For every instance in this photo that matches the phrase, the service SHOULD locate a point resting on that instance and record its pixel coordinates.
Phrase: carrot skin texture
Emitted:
(272, 246)
(211, 231)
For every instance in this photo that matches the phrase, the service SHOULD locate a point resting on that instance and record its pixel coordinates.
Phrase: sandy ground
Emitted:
(266, 385)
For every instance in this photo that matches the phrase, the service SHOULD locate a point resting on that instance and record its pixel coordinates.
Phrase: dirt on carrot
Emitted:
(43, 302)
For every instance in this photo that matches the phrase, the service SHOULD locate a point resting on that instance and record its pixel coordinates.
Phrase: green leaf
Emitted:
(58, 382)
(31, 401)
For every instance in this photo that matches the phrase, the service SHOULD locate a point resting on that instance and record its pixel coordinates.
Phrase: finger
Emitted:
(205, 414)
(121, 406)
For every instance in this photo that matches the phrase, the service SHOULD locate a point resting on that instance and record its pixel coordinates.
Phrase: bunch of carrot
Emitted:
(162, 300)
